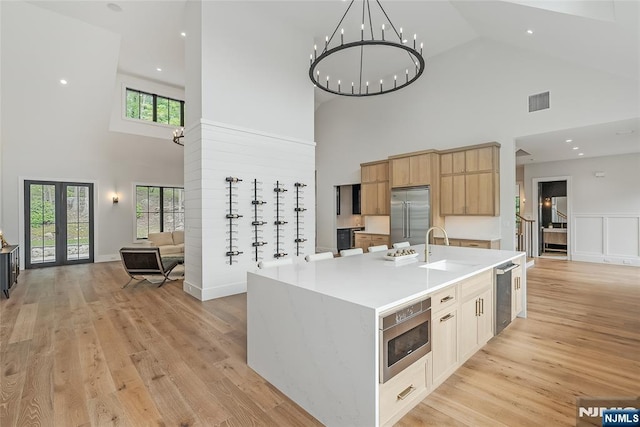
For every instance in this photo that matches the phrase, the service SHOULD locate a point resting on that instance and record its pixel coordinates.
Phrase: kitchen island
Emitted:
(313, 329)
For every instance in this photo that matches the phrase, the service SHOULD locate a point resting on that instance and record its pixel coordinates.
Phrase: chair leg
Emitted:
(132, 278)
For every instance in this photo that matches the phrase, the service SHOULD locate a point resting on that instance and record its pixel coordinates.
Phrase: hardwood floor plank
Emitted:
(76, 349)
(169, 401)
(23, 328)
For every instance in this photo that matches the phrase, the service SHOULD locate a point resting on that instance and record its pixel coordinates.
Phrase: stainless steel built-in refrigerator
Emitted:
(410, 214)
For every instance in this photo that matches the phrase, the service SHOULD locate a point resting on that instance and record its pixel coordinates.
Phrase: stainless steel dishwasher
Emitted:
(502, 296)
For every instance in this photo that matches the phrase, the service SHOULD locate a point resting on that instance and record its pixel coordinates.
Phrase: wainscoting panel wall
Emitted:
(606, 238)
(214, 151)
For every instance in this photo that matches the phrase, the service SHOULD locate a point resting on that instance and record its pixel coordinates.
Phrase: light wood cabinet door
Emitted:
(469, 312)
(382, 171)
(485, 319)
(383, 202)
(458, 162)
(479, 196)
(369, 198)
(445, 344)
(446, 164)
(400, 170)
(378, 239)
(363, 241)
(419, 170)
(458, 195)
(365, 174)
(516, 292)
(446, 195)
(479, 160)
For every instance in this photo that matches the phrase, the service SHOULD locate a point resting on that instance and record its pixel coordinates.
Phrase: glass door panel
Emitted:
(42, 224)
(59, 223)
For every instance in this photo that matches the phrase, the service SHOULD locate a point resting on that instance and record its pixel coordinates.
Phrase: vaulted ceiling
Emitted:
(603, 35)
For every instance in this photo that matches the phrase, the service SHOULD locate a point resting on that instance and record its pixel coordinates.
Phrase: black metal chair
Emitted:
(145, 261)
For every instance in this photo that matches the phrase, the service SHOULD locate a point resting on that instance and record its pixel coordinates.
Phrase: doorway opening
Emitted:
(552, 218)
(58, 219)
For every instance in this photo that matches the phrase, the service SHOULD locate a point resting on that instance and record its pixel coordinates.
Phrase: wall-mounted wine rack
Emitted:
(279, 222)
(299, 240)
(257, 222)
(232, 215)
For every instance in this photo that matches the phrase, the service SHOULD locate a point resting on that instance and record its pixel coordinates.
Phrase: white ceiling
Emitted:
(605, 139)
(601, 34)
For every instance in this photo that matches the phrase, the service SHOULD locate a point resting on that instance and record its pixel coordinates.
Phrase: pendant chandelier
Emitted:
(372, 61)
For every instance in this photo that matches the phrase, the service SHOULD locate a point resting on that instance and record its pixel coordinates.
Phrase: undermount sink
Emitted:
(448, 265)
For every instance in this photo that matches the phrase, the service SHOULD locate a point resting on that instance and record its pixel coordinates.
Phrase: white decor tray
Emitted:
(400, 258)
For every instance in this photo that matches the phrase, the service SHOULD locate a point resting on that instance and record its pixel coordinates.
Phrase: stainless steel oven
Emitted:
(405, 336)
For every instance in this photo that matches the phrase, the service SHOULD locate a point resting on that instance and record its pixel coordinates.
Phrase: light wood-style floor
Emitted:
(76, 350)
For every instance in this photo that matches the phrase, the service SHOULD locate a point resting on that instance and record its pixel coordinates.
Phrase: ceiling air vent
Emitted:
(538, 102)
(522, 153)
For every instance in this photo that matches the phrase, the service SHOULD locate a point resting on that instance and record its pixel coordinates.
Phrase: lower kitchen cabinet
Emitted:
(469, 243)
(476, 316)
(444, 344)
(516, 291)
(404, 390)
(364, 240)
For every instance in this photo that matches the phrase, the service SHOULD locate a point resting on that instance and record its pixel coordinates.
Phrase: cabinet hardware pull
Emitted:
(481, 305)
(447, 317)
(477, 305)
(406, 392)
(447, 298)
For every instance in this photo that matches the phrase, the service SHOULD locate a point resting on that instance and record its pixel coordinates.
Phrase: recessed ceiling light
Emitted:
(575, 148)
(624, 132)
(114, 7)
(63, 82)
(569, 140)
(158, 69)
(183, 34)
(580, 154)
(529, 31)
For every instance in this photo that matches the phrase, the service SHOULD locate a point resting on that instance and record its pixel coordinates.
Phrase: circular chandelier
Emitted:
(368, 72)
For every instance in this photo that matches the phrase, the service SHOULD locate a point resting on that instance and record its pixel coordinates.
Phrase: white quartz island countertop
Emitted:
(313, 328)
(374, 282)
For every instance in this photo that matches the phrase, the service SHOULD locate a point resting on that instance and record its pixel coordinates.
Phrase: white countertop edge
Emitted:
(395, 305)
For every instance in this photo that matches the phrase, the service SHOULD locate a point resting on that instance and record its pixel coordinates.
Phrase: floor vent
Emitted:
(538, 102)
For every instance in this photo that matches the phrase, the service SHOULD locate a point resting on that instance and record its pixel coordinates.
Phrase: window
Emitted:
(158, 209)
(154, 108)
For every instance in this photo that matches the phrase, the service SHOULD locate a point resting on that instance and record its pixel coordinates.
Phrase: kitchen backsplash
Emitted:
(376, 224)
(344, 221)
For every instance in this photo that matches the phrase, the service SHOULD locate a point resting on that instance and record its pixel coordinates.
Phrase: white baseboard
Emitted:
(606, 259)
(107, 258)
(213, 293)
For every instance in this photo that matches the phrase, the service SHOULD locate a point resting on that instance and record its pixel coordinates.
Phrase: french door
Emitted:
(58, 223)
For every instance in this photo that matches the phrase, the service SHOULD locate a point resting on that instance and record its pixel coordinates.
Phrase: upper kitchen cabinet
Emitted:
(411, 171)
(375, 188)
(374, 171)
(470, 181)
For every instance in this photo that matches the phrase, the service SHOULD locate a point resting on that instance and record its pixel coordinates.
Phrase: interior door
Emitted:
(58, 223)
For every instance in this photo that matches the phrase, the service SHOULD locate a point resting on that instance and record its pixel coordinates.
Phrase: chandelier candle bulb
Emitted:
(406, 73)
(338, 85)
(361, 31)
(352, 87)
(326, 42)
(401, 39)
(414, 41)
(342, 36)
(380, 85)
(421, 45)
(315, 51)
(395, 81)
(367, 87)
(382, 31)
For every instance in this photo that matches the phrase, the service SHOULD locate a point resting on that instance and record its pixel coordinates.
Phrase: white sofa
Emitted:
(170, 243)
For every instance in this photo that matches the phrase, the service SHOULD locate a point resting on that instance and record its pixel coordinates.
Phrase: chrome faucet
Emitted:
(426, 241)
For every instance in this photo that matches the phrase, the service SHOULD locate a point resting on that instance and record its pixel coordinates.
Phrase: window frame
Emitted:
(161, 211)
(154, 96)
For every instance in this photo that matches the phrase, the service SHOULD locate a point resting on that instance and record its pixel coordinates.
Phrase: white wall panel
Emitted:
(622, 236)
(233, 152)
(589, 235)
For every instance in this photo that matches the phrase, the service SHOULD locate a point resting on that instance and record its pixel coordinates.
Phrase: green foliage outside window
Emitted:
(154, 108)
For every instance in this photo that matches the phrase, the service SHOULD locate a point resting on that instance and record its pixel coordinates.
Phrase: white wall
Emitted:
(604, 222)
(257, 123)
(62, 133)
(473, 94)
(1, 222)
